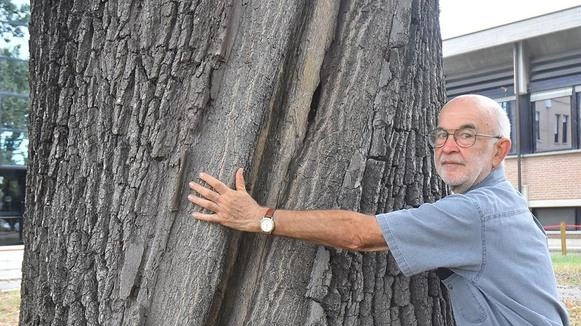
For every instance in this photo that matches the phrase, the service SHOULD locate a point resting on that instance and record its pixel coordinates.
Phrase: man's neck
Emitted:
(459, 189)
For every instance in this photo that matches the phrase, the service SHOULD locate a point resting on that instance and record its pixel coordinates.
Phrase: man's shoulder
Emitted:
(498, 199)
(457, 204)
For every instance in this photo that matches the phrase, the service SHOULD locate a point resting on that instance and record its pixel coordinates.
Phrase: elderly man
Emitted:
(489, 250)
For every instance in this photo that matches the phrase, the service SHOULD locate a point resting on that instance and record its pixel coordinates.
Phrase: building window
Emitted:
(537, 125)
(576, 121)
(14, 104)
(551, 123)
(565, 128)
(509, 108)
(551, 217)
(12, 191)
(557, 125)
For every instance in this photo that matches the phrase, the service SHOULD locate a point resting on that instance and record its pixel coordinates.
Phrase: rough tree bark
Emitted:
(325, 103)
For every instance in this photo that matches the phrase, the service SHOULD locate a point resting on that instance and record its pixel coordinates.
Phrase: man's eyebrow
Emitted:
(464, 126)
(467, 126)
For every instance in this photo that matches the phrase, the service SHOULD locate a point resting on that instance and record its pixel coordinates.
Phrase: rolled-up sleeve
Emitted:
(448, 233)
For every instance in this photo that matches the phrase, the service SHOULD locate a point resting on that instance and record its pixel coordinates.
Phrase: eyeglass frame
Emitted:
(432, 136)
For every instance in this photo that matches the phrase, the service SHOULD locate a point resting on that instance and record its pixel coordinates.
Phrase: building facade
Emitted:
(14, 103)
(533, 69)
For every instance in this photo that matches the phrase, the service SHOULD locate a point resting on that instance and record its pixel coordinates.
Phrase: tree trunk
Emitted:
(325, 104)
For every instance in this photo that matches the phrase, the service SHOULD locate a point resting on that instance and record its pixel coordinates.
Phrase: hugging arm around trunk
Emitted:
(236, 209)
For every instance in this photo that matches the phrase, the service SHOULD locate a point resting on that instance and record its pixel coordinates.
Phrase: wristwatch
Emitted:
(267, 223)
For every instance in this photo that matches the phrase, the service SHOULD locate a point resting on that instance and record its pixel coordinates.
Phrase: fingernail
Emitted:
(191, 197)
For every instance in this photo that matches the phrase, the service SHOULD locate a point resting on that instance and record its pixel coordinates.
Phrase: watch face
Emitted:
(266, 225)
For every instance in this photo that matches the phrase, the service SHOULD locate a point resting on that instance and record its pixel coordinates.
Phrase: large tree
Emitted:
(326, 105)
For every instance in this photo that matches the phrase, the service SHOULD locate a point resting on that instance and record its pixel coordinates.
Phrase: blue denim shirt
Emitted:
(502, 271)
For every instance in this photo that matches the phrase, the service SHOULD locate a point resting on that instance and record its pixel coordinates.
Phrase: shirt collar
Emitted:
(496, 176)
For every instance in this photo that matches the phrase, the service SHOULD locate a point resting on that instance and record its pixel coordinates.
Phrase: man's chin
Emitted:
(452, 182)
(458, 186)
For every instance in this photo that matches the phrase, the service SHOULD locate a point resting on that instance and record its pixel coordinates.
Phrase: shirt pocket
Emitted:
(465, 300)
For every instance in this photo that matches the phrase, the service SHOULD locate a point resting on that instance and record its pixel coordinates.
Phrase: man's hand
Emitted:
(233, 208)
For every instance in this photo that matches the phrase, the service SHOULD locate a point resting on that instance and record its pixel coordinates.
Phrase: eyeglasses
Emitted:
(464, 137)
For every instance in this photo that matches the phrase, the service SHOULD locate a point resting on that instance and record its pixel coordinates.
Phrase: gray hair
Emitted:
(502, 119)
(497, 112)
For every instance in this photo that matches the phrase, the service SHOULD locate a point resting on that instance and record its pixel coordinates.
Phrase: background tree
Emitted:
(326, 105)
(13, 20)
(14, 101)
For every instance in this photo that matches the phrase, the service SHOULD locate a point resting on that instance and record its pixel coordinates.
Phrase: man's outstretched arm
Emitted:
(236, 209)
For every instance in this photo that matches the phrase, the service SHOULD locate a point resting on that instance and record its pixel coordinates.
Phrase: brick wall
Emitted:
(551, 176)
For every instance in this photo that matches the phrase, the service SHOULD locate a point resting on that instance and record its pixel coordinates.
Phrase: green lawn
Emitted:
(572, 258)
(567, 268)
(568, 272)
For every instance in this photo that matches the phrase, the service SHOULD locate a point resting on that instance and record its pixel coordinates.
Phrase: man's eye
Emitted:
(441, 135)
(466, 135)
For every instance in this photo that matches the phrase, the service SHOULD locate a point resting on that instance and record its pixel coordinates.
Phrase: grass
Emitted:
(567, 269)
(9, 307)
(568, 272)
(574, 309)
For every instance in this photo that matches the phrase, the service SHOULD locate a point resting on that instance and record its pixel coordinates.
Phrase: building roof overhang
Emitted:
(559, 21)
(544, 36)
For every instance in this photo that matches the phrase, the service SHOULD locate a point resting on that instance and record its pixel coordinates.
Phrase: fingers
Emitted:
(215, 183)
(226, 204)
(204, 203)
(240, 184)
(205, 217)
(207, 193)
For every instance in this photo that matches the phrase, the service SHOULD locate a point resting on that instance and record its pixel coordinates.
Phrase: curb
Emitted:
(12, 248)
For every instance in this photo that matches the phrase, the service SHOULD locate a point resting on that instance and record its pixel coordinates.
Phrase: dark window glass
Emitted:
(557, 119)
(12, 189)
(537, 125)
(577, 123)
(509, 108)
(565, 128)
(549, 123)
(551, 217)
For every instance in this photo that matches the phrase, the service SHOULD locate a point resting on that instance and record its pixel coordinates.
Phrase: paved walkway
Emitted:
(11, 261)
(10, 266)
(573, 245)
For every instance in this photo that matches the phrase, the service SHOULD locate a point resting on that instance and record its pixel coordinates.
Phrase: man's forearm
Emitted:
(335, 228)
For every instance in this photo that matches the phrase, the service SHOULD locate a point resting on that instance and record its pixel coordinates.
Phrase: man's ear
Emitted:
(501, 149)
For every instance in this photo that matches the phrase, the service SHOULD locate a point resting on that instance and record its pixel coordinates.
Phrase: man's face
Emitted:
(461, 168)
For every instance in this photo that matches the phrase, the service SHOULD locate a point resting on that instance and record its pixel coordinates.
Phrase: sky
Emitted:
(459, 17)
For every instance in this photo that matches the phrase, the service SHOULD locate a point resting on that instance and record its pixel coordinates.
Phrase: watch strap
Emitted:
(269, 212)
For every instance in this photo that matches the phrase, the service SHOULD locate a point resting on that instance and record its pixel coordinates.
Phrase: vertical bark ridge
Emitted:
(51, 142)
(277, 277)
(227, 105)
(341, 307)
(281, 136)
(113, 89)
(342, 303)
